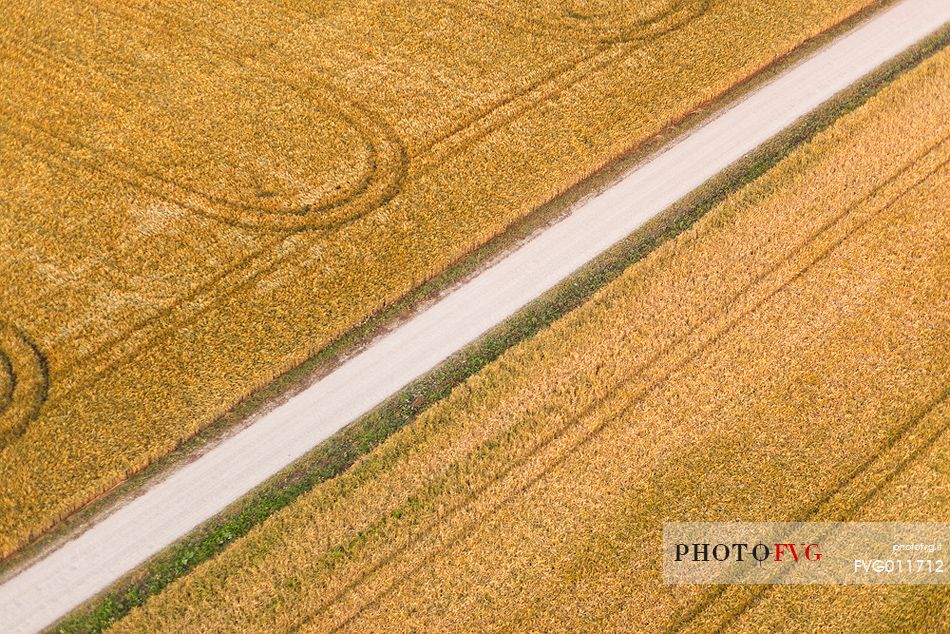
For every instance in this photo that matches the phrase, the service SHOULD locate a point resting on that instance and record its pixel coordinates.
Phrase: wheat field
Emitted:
(783, 360)
(205, 194)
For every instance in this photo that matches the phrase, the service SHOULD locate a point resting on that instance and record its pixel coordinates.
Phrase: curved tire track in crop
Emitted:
(25, 382)
(597, 27)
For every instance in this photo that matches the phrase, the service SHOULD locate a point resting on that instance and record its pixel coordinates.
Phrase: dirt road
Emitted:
(47, 590)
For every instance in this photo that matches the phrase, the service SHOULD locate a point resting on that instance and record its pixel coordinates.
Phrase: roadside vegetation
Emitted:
(782, 359)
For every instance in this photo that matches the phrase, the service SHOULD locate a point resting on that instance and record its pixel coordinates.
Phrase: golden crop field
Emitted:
(783, 360)
(205, 194)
